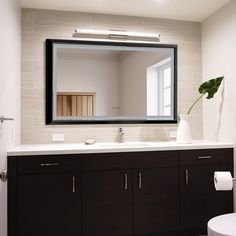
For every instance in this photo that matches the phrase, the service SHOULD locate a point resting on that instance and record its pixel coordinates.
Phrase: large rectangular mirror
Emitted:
(91, 82)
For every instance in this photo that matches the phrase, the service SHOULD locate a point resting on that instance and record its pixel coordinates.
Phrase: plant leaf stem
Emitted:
(195, 103)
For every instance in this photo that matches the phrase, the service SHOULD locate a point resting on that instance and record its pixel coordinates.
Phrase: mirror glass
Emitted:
(111, 82)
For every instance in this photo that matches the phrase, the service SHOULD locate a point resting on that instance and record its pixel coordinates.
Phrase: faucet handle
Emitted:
(121, 130)
(120, 135)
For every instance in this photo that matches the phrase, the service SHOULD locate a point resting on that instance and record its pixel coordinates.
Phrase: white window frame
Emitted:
(161, 88)
(159, 68)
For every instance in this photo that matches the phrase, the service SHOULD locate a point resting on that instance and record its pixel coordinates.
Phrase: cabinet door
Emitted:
(156, 200)
(49, 205)
(107, 203)
(199, 200)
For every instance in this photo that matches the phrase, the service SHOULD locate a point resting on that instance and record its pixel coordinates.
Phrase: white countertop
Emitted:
(52, 149)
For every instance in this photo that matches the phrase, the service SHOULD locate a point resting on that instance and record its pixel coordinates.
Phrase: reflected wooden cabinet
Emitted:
(76, 104)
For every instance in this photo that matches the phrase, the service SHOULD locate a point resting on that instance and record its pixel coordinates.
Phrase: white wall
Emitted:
(10, 44)
(92, 75)
(218, 58)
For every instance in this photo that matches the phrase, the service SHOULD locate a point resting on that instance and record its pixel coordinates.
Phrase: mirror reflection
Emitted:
(113, 82)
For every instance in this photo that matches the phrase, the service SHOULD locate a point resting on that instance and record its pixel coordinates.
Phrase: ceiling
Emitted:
(191, 10)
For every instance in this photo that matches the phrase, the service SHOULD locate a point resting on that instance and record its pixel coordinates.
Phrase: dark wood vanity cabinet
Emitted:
(130, 202)
(44, 196)
(156, 200)
(49, 204)
(107, 203)
(127, 193)
(120, 194)
(199, 201)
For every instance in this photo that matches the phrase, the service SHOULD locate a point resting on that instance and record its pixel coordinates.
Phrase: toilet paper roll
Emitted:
(223, 181)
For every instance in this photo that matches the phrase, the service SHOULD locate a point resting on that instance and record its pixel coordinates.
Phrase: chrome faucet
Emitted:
(121, 135)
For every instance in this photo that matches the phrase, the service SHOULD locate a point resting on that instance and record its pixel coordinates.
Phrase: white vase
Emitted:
(184, 130)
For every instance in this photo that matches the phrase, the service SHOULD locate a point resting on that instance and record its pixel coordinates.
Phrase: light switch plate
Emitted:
(57, 137)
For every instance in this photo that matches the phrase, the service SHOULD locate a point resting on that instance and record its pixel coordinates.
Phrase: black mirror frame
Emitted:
(49, 83)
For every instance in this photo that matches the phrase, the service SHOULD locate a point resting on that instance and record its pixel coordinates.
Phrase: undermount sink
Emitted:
(128, 144)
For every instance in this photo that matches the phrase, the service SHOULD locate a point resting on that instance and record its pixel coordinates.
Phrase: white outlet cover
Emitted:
(57, 137)
(173, 134)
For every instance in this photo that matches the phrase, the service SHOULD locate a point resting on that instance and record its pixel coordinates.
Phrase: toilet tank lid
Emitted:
(224, 225)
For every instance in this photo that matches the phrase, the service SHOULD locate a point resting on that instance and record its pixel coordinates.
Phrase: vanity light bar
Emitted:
(116, 34)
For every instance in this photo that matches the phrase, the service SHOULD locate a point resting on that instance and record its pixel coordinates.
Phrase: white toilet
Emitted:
(223, 225)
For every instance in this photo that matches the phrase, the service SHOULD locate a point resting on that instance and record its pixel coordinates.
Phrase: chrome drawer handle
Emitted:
(139, 180)
(186, 176)
(73, 184)
(205, 157)
(126, 181)
(49, 164)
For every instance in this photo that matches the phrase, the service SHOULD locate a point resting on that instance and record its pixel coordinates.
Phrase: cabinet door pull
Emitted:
(49, 164)
(139, 180)
(3, 176)
(205, 157)
(186, 176)
(126, 181)
(73, 184)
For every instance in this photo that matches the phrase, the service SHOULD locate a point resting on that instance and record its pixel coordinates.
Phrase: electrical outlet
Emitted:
(57, 137)
(173, 134)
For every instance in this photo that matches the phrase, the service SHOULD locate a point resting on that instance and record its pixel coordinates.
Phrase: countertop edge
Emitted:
(33, 150)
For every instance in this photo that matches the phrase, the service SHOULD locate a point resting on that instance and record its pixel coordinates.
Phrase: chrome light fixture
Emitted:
(116, 34)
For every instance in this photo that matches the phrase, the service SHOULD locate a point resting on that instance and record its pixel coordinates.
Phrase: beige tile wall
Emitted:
(37, 25)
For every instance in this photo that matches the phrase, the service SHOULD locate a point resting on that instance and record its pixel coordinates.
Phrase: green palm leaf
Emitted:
(210, 87)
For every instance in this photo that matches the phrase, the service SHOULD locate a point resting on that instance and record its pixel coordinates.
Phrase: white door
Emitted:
(4, 135)
(10, 46)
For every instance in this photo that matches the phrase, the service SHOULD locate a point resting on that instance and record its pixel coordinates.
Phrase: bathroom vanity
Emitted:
(159, 189)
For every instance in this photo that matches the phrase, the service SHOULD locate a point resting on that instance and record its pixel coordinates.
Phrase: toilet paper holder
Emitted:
(233, 179)
(223, 181)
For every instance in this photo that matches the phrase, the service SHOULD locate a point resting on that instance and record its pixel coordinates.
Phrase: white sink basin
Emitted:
(128, 144)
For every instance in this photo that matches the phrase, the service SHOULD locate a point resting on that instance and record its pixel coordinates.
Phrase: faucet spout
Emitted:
(121, 135)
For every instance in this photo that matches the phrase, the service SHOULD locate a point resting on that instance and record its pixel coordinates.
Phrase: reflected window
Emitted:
(159, 88)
